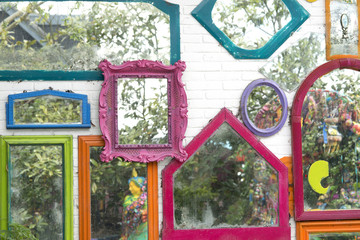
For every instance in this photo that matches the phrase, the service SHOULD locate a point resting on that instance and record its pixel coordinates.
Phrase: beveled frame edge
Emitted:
(67, 142)
(280, 232)
(202, 13)
(85, 114)
(300, 214)
(85, 142)
(328, 31)
(304, 229)
(244, 99)
(177, 108)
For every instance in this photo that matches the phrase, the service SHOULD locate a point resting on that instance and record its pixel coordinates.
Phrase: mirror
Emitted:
(342, 30)
(263, 107)
(48, 109)
(335, 235)
(250, 24)
(143, 111)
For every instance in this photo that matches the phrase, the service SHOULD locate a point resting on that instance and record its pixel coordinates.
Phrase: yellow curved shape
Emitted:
(317, 172)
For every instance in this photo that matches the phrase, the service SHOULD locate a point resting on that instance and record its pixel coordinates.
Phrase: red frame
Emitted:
(300, 214)
(281, 232)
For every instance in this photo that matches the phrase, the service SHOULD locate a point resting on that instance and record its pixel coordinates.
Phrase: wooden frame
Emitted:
(176, 104)
(329, 27)
(304, 229)
(66, 142)
(300, 213)
(85, 142)
(282, 231)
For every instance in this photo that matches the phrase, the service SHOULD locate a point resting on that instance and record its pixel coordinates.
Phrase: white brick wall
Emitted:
(213, 78)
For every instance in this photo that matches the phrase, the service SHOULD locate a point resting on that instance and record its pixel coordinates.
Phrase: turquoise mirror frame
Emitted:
(168, 8)
(202, 13)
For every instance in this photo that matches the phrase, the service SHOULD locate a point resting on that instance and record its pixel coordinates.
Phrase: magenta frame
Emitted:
(177, 111)
(300, 214)
(281, 232)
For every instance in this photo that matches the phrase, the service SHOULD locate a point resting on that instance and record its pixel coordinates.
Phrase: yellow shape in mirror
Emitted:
(317, 172)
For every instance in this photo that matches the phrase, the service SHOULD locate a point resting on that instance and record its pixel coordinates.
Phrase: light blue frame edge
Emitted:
(202, 13)
(168, 8)
(10, 107)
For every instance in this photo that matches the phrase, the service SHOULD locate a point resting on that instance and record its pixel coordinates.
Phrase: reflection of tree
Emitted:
(221, 186)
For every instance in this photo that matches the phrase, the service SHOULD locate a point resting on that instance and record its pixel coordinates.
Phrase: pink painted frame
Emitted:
(282, 232)
(177, 111)
(300, 214)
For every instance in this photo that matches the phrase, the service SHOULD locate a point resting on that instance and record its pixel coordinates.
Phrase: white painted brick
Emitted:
(202, 48)
(222, 94)
(194, 29)
(220, 57)
(192, 57)
(206, 104)
(202, 85)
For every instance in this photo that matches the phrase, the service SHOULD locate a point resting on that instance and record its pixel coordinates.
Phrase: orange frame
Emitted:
(304, 229)
(327, 35)
(287, 161)
(85, 142)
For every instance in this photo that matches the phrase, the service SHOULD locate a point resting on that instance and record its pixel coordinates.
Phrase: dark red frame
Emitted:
(281, 232)
(300, 214)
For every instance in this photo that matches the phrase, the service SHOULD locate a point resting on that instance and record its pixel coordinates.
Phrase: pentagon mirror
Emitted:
(143, 111)
(263, 107)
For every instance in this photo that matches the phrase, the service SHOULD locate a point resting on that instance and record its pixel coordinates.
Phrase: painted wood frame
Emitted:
(288, 163)
(274, 233)
(300, 214)
(244, 113)
(304, 229)
(85, 142)
(168, 8)
(66, 142)
(177, 111)
(85, 110)
(202, 13)
(328, 34)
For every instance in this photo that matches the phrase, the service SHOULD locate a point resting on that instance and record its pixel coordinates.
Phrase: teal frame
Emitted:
(168, 8)
(66, 142)
(202, 13)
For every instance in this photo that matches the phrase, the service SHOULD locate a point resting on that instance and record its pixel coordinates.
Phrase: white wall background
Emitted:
(213, 78)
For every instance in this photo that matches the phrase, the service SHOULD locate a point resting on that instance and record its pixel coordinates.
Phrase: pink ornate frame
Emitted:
(275, 233)
(177, 111)
(300, 214)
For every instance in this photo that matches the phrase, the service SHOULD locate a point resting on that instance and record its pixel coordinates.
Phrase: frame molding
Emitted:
(66, 141)
(300, 214)
(85, 110)
(85, 142)
(280, 232)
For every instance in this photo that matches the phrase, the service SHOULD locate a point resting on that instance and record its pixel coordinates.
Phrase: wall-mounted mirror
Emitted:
(143, 111)
(250, 29)
(263, 107)
(342, 29)
(48, 109)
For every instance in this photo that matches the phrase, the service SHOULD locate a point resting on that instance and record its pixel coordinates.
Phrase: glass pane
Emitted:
(330, 145)
(335, 236)
(225, 184)
(250, 24)
(47, 109)
(118, 198)
(77, 35)
(290, 67)
(264, 107)
(36, 196)
(142, 111)
(344, 27)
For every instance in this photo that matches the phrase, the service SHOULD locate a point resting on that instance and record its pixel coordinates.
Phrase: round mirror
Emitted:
(263, 107)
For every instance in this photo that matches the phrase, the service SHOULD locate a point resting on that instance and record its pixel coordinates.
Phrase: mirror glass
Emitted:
(250, 24)
(331, 151)
(36, 183)
(264, 107)
(142, 110)
(344, 30)
(118, 198)
(47, 109)
(290, 67)
(335, 236)
(77, 35)
(225, 184)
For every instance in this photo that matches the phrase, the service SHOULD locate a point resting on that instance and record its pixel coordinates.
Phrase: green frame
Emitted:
(67, 143)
